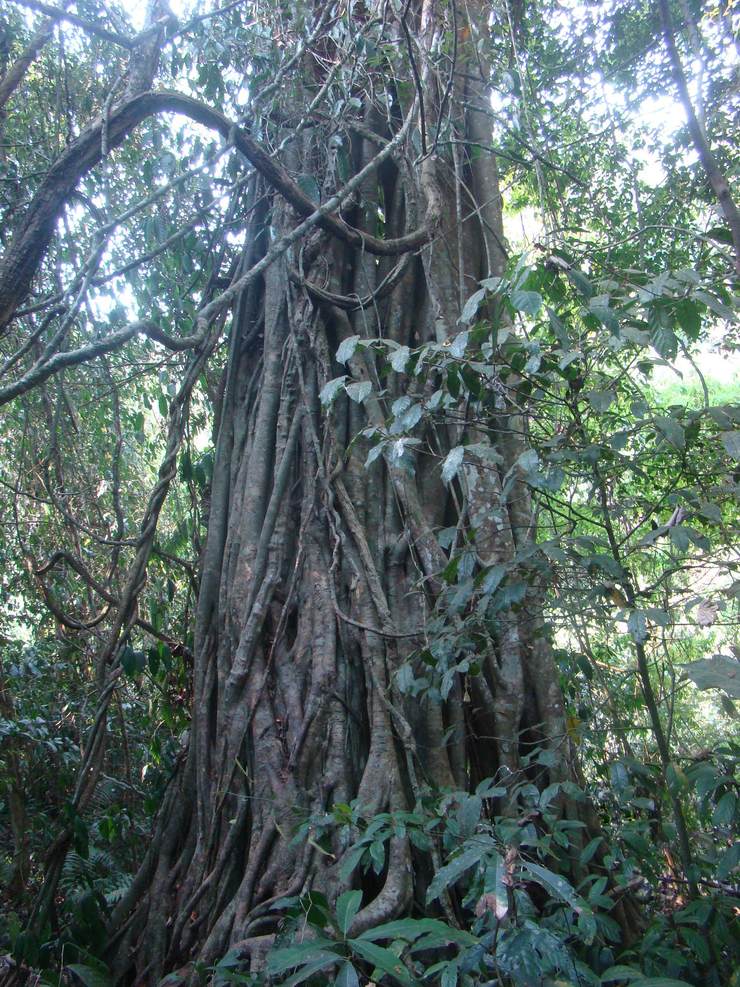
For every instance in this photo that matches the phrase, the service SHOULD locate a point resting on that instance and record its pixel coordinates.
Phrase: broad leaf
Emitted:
(358, 390)
(348, 904)
(472, 305)
(347, 349)
(400, 358)
(90, 976)
(330, 390)
(452, 463)
(383, 959)
(453, 870)
(717, 672)
(526, 301)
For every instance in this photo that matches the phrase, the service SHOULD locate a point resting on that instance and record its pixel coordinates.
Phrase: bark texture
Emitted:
(319, 575)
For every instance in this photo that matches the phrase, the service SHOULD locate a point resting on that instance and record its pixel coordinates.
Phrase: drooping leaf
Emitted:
(562, 889)
(347, 976)
(383, 959)
(526, 301)
(717, 672)
(672, 430)
(620, 972)
(411, 929)
(330, 390)
(358, 390)
(348, 904)
(453, 870)
(90, 976)
(459, 344)
(452, 463)
(289, 957)
(347, 349)
(731, 442)
(470, 309)
(400, 358)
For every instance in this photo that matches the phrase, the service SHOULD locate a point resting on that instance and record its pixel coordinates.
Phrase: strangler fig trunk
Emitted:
(320, 574)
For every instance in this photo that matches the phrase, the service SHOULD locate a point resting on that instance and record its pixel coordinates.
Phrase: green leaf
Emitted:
(581, 282)
(132, 662)
(458, 344)
(724, 811)
(665, 342)
(731, 442)
(599, 308)
(528, 462)
(347, 976)
(289, 957)
(715, 305)
(492, 579)
(309, 969)
(589, 850)
(351, 859)
(601, 400)
(449, 974)
(620, 972)
(687, 313)
(383, 959)
(310, 187)
(330, 390)
(452, 871)
(717, 672)
(526, 301)
(412, 928)
(348, 905)
(560, 888)
(697, 943)
(358, 390)
(347, 349)
(662, 982)
(90, 976)
(400, 358)
(472, 305)
(452, 463)
(728, 862)
(468, 815)
(672, 431)
(721, 234)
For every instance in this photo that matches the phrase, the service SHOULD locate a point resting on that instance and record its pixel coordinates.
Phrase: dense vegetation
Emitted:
(368, 477)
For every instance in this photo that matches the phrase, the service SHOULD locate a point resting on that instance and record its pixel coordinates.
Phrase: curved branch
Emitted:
(719, 183)
(352, 303)
(110, 598)
(17, 71)
(44, 369)
(21, 260)
(91, 27)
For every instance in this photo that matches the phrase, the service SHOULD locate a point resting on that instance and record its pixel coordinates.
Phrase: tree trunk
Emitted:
(319, 575)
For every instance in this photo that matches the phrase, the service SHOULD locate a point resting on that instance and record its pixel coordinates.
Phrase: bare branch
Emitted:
(15, 74)
(717, 180)
(91, 27)
(23, 256)
(44, 369)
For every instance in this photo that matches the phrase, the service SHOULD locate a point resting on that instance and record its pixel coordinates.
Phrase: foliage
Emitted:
(615, 282)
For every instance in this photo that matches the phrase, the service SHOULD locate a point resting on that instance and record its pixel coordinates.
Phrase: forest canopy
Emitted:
(369, 459)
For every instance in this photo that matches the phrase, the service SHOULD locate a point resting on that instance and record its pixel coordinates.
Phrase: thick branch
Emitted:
(44, 369)
(15, 74)
(91, 27)
(29, 246)
(716, 179)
